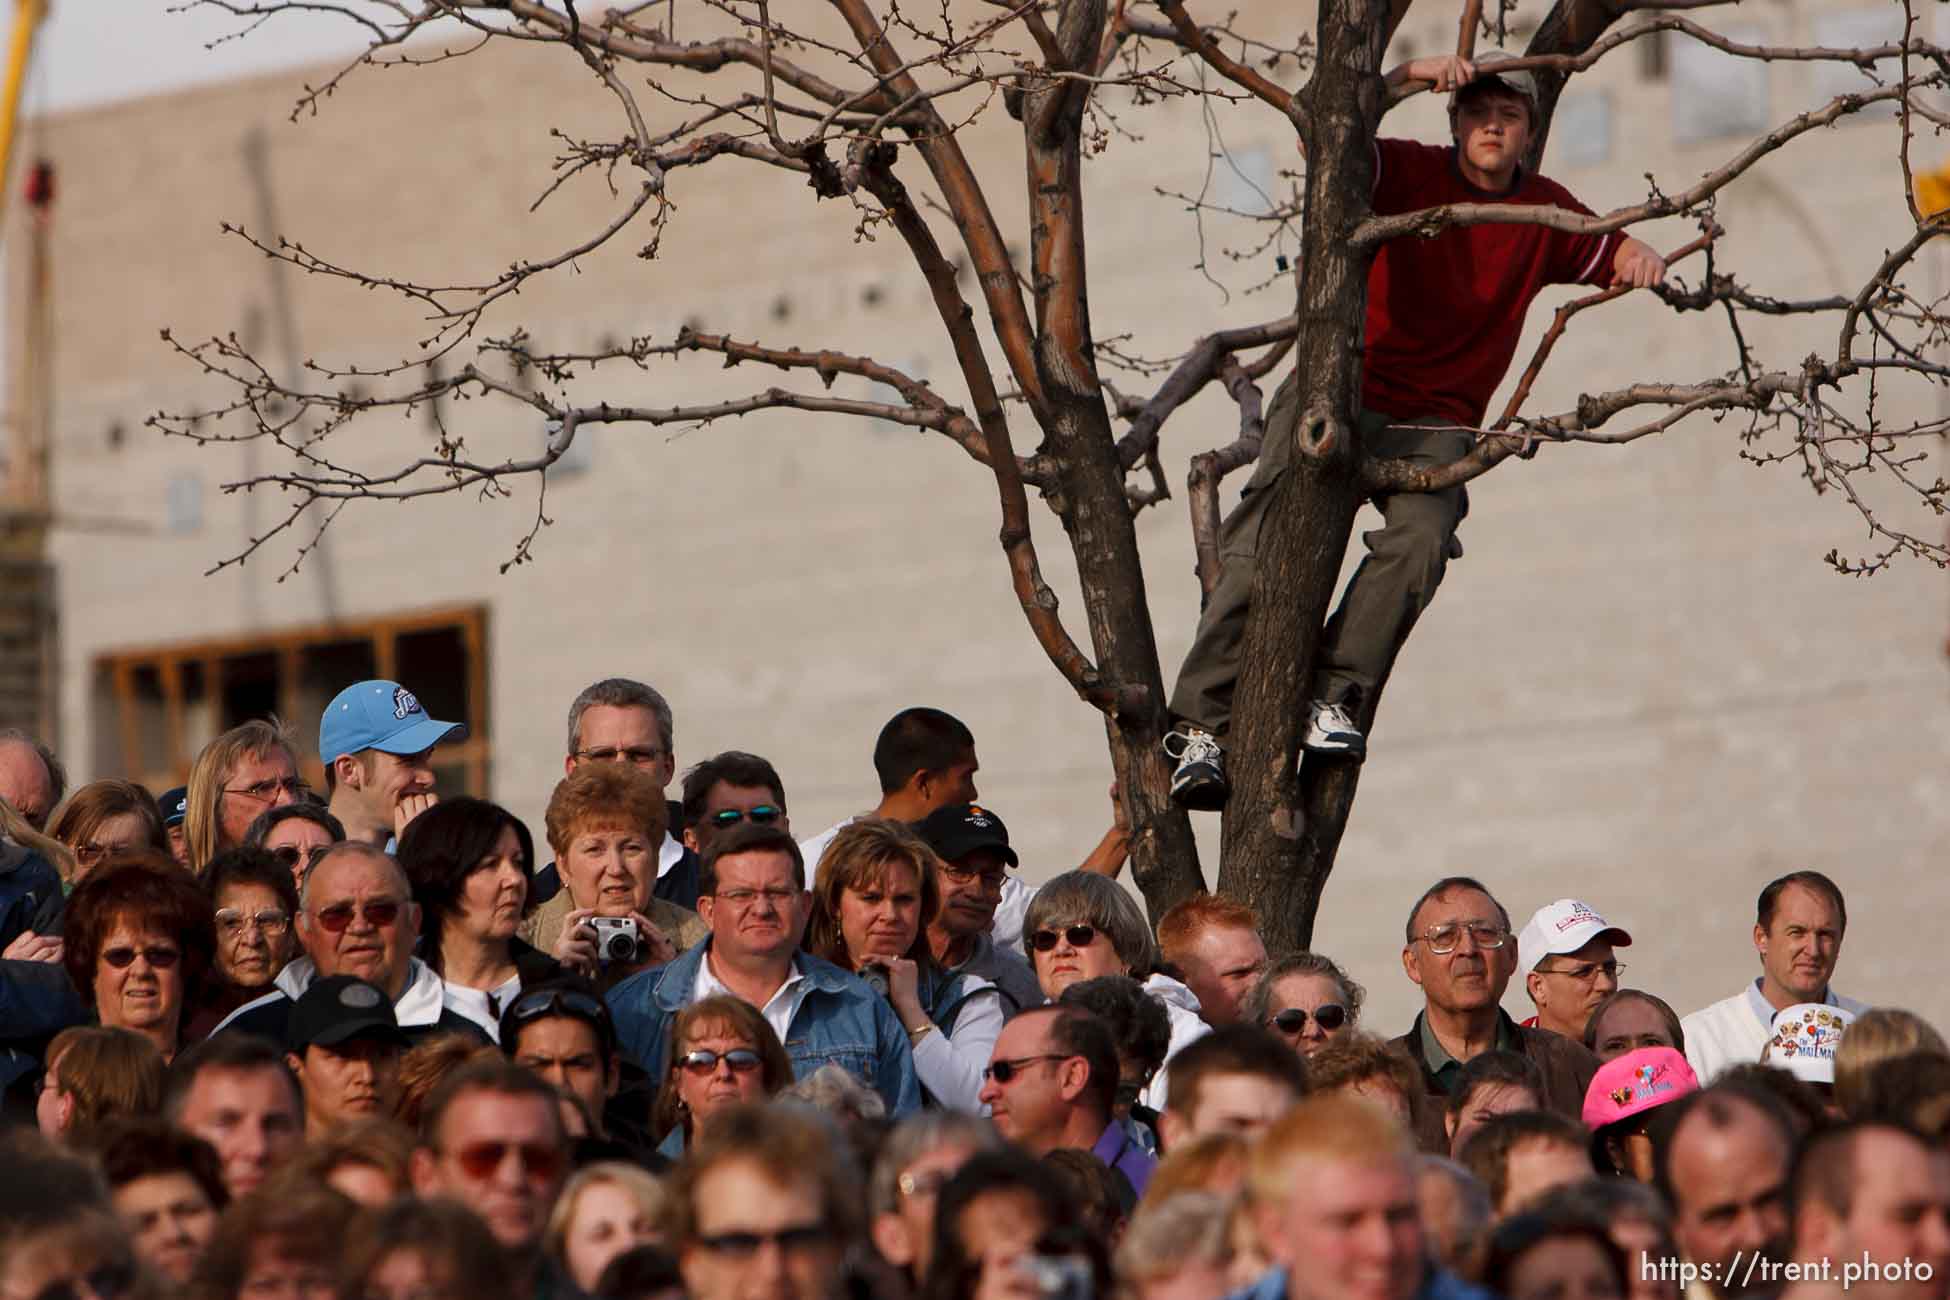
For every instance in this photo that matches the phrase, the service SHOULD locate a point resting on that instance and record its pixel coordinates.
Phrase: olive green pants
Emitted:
(1395, 582)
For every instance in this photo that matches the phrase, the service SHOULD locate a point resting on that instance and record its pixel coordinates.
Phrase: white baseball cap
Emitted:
(1564, 926)
(1806, 1036)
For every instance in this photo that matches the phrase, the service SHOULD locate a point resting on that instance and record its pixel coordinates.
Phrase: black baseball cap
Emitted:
(175, 805)
(338, 1009)
(961, 828)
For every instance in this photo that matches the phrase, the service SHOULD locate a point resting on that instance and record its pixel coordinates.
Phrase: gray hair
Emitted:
(1258, 1005)
(1086, 897)
(341, 849)
(57, 775)
(913, 1138)
(831, 1091)
(621, 693)
(1165, 1236)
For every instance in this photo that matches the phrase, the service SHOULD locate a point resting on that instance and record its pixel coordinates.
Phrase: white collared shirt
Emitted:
(778, 1012)
(669, 854)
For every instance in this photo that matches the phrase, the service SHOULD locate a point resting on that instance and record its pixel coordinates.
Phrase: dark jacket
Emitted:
(1566, 1065)
(28, 885)
(37, 1001)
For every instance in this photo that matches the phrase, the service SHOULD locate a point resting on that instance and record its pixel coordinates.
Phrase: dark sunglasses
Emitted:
(290, 855)
(378, 915)
(540, 1162)
(1006, 1071)
(1080, 936)
(543, 1003)
(763, 815)
(799, 1237)
(108, 1282)
(1329, 1016)
(158, 958)
(742, 1060)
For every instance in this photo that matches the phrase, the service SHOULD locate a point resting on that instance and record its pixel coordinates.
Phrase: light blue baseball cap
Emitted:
(380, 715)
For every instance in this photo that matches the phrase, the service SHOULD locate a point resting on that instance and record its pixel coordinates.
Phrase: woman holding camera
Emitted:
(469, 862)
(873, 897)
(605, 822)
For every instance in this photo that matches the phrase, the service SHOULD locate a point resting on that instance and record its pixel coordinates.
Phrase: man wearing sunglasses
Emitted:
(1460, 952)
(356, 916)
(492, 1140)
(377, 745)
(727, 791)
(755, 901)
(1052, 1084)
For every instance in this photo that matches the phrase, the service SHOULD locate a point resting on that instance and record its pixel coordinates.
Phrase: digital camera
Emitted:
(617, 939)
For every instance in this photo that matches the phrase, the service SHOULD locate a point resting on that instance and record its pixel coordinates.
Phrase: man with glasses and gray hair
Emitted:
(1565, 955)
(617, 720)
(357, 917)
(1461, 954)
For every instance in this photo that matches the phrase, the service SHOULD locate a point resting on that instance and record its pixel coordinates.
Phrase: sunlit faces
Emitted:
(503, 1155)
(568, 1053)
(751, 802)
(1472, 975)
(623, 733)
(350, 1080)
(708, 1092)
(971, 890)
(359, 919)
(250, 1116)
(24, 783)
(113, 836)
(882, 918)
(610, 867)
(254, 934)
(1246, 1104)
(906, 1236)
(1308, 993)
(1629, 1024)
(139, 980)
(296, 838)
(1350, 1228)
(1492, 131)
(493, 894)
(758, 1237)
(607, 1220)
(1801, 944)
(257, 783)
(1070, 953)
(760, 908)
(170, 1219)
(1534, 1167)
(1729, 1183)
(1221, 967)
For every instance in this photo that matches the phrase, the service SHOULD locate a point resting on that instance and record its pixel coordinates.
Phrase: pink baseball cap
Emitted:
(1635, 1083)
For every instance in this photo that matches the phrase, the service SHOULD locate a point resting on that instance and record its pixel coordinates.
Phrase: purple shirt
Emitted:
(1116, 1149)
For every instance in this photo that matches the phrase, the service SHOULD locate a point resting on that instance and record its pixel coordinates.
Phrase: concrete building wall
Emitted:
(1641, 687)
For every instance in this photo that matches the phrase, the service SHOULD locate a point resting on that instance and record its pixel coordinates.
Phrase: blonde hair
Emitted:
(1201, 1165)
(1878, 1035)
(1331, 1127)
(203, 815)
(14, 827)
(651, 1194)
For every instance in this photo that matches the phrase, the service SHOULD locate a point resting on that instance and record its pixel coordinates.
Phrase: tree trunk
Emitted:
(1276, 856)
(1091, 500)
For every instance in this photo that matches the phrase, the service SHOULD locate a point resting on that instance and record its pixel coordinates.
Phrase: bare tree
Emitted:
(869, 101)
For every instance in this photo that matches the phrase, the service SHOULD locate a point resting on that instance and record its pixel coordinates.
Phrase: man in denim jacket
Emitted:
(752, 893)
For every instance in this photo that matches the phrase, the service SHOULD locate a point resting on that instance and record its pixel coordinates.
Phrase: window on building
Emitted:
(1716, 94)
(156, 707)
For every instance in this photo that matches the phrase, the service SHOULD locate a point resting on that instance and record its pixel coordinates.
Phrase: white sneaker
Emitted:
(1199, 783)
(1331, 731)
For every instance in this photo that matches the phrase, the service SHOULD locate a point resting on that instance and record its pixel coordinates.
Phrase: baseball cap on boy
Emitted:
(380, 715)
(1564, 926)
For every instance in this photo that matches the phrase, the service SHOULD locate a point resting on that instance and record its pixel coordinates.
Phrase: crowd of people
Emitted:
(374, 1044)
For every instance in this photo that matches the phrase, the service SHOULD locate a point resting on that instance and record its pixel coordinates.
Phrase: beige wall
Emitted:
(1641, 686)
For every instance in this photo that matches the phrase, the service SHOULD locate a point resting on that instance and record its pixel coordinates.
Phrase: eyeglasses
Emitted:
(105, 1283)
(763, 815)
(89, 854)
(1005, 1071)
(742, 1060)
(231, 923)
(800, 1237)
(742, 898)
(543, 1003)
(1585, 972)
(379, 914)
(1328, 1015)
(290, 855)
(540, 1162)
(1080, 936)
(268, 789)
(961, 875)
(1442, 939)
(642, 756)
(158, 958)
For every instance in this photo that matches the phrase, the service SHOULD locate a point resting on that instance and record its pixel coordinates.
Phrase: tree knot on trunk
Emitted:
(1288, 822)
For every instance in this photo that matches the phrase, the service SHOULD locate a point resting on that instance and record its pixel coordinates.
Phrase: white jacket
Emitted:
(419, 1005)
(1733, 1030)
(1181, 1008)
